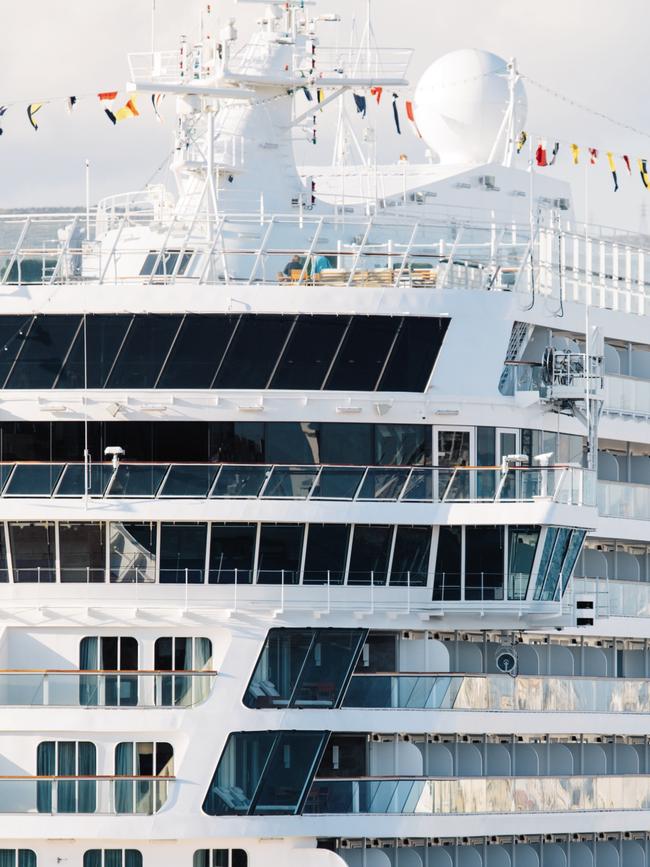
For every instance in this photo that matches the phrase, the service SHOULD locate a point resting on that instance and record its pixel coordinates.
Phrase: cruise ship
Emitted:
(325, 490)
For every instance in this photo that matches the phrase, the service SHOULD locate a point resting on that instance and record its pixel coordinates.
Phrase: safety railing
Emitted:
(627, 396)
(614, 598)
(141, 689)
(624, 500)
(495, 692)
(465, 796)
(568, 484)
(104, 795)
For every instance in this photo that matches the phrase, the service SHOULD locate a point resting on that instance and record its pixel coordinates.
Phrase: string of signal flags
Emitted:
(543, 157)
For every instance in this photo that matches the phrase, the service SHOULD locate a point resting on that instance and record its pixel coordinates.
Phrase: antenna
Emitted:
(153, 28)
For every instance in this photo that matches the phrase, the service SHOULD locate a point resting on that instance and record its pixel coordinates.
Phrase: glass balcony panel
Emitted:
(382, 484)
(337, 483)
(33, 480)
(137, 480)
(80, 795)
(189, 480)
(419, 486)
(240, 481)
(5, 472)
(290, 483)
(73, 480)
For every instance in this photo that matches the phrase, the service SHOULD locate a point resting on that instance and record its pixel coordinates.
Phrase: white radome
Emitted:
(460, 102)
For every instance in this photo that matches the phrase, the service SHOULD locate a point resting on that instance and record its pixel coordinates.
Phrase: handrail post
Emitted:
(329, 592)
(282, 593)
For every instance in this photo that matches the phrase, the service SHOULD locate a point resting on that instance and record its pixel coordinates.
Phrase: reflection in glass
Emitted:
(33, 552)
(240, 481)
(132, 552)
(73, 480)
(419, 486)
(551, 581)
(290, 482)
(82, 552)
(382, 484)
(33, 480)
(232, 553)
(44, 348)
(136, 480)
(182, 553)
(522, 545)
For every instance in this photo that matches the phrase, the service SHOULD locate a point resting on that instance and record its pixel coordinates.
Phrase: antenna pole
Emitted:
(87, 200)
(153, 27)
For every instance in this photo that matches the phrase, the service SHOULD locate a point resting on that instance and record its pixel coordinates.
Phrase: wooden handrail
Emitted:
(97, 777)
(101, 671)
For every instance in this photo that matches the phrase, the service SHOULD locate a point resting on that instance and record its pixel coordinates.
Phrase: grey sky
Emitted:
(591, 50)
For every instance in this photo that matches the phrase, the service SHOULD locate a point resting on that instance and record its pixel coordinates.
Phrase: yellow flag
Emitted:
(575, 153)
(31, 111)
(128, 110)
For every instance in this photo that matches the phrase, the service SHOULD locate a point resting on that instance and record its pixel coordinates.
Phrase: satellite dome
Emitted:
(460, 102)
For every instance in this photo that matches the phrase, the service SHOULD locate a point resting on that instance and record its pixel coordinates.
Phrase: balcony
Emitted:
(137, 689)
(96, 795)
(435, 797)
(623, 500)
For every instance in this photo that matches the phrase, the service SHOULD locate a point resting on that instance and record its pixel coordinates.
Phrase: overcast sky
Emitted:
(590, 50)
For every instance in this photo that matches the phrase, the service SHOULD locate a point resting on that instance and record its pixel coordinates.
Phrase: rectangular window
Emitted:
(253, 352)
(181, 654)
(112, 858)
(108, 653)
(369, 556)
(132, 552)
(82, 552)
(410, 564)
(98, 341)
(144, 351)
(484, 563)
(197, 352)
(232, 553)
(142, 759)
(33, 552)
(279, 554)
(45, 346)
(292, 442)
(220, 858)
(17, 858)
(182, 553)
(66, 759)
(414, 354)
(447, 581)
(309, 352)
(327, 552)
(402, 445)
(343, 443)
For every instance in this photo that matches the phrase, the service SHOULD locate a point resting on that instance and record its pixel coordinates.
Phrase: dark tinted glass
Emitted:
(103, 338)
(232, 552)
(132, 552)
(73, 480)
(238, 773)
(32, 480)
(237, 442)
(12, 333)
(309, 352)
(327, 551)
(345, 443)
(277, 670)
(402, 445)
(327, 667)
(4, 571)
(188, 481)
(133, 480)
(33, 552)
(82, 552)
(144, 351)
(288, 773)
(414, 354)
(279, 555)
(361, 358)
(182, 553)
(292, 442)
(411, 556)
(337, 483)
(369, 557)
(448, 564)
(253, 352)
(484, 563)
(44, 348)
(240, 481)
(197, 352)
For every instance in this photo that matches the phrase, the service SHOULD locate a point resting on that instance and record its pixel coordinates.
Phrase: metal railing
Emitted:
(568, 484)
(139, 689)
(497, 692)
(104, 795)
(466, 796)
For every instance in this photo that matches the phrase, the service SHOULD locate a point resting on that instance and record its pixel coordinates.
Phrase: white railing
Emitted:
(626, 395)
(623, 500)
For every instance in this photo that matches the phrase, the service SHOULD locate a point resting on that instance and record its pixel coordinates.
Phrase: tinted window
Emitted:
(33, 552)
(232, 553)
(343, 443)
(44, 348)
(414, 354)
(327, 551)
(448, 564)
(253, 352)
(309, 352)
(279, 556)
(361, 358)
(411, 556)
(292, 442)
(484, 563)
(103, 338)
(144, 351)
(82, 552)
(197, 352)
(522, 545)
(182, 553)
(12, 333)
(402, 444)
(369, 557)
(132, 552)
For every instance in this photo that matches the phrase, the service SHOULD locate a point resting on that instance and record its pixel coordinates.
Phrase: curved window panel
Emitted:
(82, 552)
(309, 352)
(410, 564)
(144, 351)
(522, 545)
(32, 480)
(232, 553)
(415, 351)
(182, 553)
(484, 563)
(187, 480)
(327, 552)
(290, 483)
(240, 481)
(100, 345)
(43, 351)
(132, 552)
(278, 667)
(360, 360)
(33, 552)
(253, 352)
(198, 350)
(136, 480)
(337, 483)
(369, 557)
(279, 554)
(73, 480)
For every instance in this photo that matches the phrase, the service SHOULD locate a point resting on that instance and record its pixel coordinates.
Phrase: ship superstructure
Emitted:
(324, 492)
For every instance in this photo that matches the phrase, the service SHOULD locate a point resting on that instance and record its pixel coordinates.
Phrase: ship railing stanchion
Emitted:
(45, 701)
(329, 592)
(282, 593)
(408, 592)
(187, 584)
(236, 575)
(372, 592)
(16, 251)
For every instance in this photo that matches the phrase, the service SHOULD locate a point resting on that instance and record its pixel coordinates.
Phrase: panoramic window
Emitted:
(197, 351)
(309, 352)
(44, 347)
(66, 759)
(484, 563)
(369, 557)
(522, 545)
(410, 564)
(144, 350)
(279, 553)
(142, 759)
(220, 858)
(253, 351)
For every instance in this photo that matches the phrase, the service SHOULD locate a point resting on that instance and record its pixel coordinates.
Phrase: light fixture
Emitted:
(114, 453)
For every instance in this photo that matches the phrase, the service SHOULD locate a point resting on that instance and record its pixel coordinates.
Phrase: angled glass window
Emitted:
(219, 858)
(182, 553)
(402, 445)
(264, 773)
(279, 555)
(278, 667)
(337, 483)
(361, 358)
(188, 480)
(575, 546)
(414, 354)
(382, 484)
(100, 345)
(327, 552)
(4, 568)
(144, 351)
(411, 557)
(33, 480)
(309, 352)
(44, 349)
(419, 486)
(198, 350)
(447, 580)
(165, 263)
(240, 481)
(547, 585)
(484, 563)
(369, 557)
(522, 545)
(132, 552)
(290, 483)
(73, 480)
(253, 352)
(136, 480)
(13, 330)
(82, 552)
(232, 553)
(549, 543)
(33, 552)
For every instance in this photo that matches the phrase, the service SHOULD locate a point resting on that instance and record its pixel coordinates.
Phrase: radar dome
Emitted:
(460, 103)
